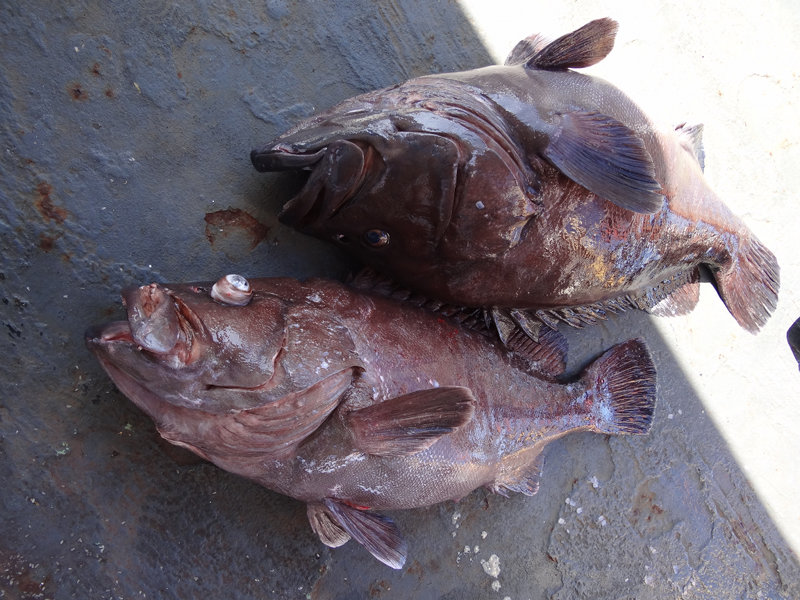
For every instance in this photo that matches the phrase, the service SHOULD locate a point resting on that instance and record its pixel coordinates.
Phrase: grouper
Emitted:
(351, 402)
(539, 194)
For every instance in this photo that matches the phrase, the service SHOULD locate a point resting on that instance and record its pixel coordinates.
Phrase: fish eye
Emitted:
(233, 290)
(376, 238)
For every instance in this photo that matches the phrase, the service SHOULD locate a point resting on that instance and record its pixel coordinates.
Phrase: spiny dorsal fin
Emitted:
(691, 138)
(583, 47)
(410, 423)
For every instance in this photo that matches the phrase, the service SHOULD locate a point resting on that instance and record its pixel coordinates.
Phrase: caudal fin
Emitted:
(623, 382)
(749, 286)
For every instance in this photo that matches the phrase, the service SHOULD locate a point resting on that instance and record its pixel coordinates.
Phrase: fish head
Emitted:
(404, 181)
(190, 347)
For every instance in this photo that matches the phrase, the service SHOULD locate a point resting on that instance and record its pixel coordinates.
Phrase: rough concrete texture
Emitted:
(125, 136)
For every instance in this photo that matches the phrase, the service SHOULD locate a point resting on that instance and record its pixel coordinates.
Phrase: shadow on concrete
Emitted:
(126, 137)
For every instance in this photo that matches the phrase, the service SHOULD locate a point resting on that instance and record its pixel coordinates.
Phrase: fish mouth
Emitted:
(164, 345)
(158, 323)
(281, 157)
(337, 172)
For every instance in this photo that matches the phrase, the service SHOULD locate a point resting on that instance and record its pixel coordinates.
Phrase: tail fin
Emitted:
(749, 286)
(623, 381)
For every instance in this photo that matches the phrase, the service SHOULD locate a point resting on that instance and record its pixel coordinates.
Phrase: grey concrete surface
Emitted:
(125, 137)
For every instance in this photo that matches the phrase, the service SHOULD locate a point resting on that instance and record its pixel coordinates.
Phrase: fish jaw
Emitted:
(173, 346)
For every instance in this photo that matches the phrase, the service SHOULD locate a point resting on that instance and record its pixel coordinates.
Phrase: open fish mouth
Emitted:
(282, 158)
(337, 172)
(159, 327)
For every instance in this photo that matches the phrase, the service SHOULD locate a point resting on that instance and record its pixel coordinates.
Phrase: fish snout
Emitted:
(153, 318)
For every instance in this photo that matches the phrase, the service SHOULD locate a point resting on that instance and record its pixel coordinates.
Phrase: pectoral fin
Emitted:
(410, 423)
(378, 534)
(607, 158)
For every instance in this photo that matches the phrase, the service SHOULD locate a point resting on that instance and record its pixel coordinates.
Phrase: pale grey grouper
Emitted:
(529, 190)
(349, 401)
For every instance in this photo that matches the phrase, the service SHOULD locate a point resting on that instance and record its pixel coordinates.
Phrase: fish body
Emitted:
(349, 401)
(533, 191)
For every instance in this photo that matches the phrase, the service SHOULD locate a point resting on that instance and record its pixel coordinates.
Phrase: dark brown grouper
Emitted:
(533, 191)
(350, 402)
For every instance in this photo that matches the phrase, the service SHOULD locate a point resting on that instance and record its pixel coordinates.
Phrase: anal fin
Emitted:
(680, 302)
(607, 158)
(377, 533)
(410, 423)
(523, 479)
(691, 138)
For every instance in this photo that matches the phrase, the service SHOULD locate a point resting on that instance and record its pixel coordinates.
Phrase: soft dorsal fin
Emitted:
(378, 534)
(607, 158)
(583, 47)
(691, 138)
(410, 423)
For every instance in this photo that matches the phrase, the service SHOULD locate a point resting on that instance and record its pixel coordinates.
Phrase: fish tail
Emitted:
(749, 285)
(623, 386)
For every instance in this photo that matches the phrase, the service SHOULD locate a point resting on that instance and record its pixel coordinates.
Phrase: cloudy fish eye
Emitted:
(232, 289)
(376, 238)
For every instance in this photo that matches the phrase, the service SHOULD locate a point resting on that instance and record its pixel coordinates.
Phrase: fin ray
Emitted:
(326, 526)
(749, 286)
(623, 381)
(411, 423)
(583, 47)
(377, 533)
(607, 158)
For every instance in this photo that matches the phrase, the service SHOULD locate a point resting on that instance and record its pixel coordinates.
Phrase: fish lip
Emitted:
(280, 157)
(108, 332)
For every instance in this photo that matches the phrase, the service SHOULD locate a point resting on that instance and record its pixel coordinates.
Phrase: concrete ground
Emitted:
(125, 135)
